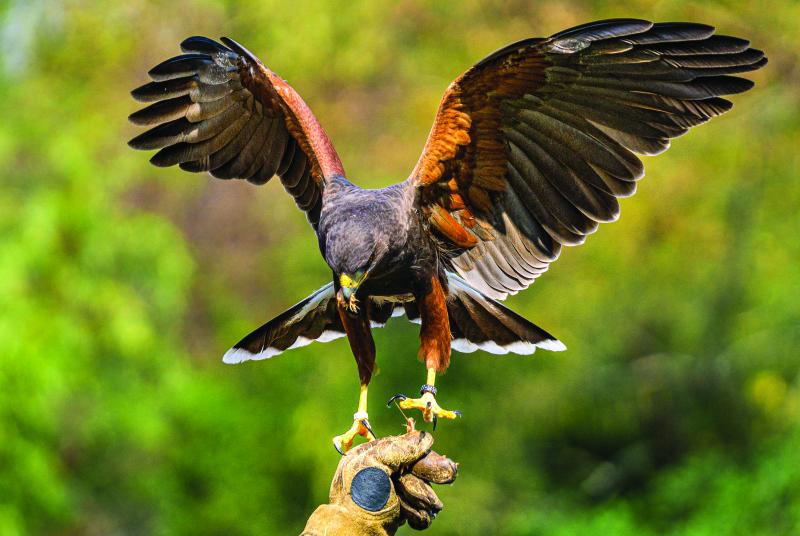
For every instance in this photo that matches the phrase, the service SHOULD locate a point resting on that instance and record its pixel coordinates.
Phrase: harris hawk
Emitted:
(530, 150)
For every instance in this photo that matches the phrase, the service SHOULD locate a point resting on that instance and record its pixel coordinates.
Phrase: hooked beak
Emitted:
(348, 291)
(349, 286)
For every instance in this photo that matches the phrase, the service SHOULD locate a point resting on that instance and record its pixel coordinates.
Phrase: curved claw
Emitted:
(398, 396)
(431, 411)
(365, 424)
(361, 427)
(436, 419)
(338, 449)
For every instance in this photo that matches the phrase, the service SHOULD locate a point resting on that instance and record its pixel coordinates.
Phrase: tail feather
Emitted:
(312, 319)
(477, 322)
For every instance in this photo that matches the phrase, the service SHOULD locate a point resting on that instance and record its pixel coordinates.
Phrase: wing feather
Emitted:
(217, 108)
(533, 146)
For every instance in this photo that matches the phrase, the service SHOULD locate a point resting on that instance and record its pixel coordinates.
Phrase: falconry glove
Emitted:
(380, 485)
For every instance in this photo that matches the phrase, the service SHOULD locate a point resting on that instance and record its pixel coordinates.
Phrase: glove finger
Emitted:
(401, 451)
(417, 519)
(418, 494)
(436, 468)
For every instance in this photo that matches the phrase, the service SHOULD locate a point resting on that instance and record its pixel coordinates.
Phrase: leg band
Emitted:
(427, 388)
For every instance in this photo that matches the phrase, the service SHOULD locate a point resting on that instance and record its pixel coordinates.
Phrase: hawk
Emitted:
(531, 149)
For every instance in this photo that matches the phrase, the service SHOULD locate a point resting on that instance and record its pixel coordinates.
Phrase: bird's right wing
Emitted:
(219, 109)
(532, 147)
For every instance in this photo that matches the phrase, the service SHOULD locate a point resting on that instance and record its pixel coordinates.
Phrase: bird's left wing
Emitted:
(219, 109)
(532, 147)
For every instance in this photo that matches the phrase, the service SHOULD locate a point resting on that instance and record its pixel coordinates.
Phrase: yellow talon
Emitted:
(360, 427)
(429, 407)
(431, 410)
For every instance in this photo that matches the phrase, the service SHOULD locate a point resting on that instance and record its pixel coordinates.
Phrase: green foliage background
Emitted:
(676, 409)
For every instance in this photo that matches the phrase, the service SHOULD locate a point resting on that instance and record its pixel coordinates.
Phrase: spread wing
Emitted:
(532, 147)
(219, 109)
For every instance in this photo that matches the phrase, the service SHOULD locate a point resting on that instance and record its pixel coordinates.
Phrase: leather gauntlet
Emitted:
(380, 485)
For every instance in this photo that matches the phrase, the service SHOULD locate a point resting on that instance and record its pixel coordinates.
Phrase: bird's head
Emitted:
(348, 286)
(352, 266)
(356, 241)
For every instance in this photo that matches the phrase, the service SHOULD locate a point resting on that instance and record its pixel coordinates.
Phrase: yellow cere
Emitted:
(353, 281)
(346, 281)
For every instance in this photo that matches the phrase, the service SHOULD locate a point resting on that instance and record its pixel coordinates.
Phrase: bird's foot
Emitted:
(361, 427)
(431, 411)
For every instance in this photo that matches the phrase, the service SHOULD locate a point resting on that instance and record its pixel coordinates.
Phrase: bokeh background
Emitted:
(676, 409)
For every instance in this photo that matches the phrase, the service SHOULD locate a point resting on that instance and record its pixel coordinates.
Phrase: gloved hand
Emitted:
(380, 485)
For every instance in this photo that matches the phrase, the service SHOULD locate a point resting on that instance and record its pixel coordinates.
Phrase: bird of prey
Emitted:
(530, 150)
